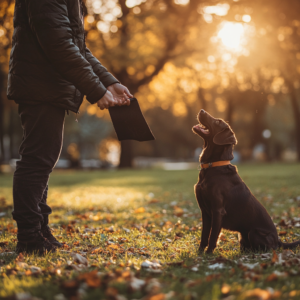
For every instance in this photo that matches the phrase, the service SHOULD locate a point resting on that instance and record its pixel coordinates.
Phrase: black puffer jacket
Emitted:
(49, 60)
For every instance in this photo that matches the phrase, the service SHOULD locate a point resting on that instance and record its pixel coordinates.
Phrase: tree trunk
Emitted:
(203, 103)
(126, 155)
(296, 111)
(229, 112)
(1, 129)
(1, 117)
(258, 119)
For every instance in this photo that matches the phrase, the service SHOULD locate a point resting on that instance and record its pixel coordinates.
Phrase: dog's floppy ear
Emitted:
(225, 137)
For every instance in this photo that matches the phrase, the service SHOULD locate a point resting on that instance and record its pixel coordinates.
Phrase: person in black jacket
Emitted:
(50, 71)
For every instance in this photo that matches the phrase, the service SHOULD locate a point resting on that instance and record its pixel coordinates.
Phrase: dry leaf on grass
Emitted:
(136, 284)
(225, 289)
(21, 265)
(178, 212)
(92, 279)
(258, 294)
(139, 210)
(79, 259)
(157, 297)
(192, 283)
(286, 254)
(274, 257)
(153, 286)
(35, 269)
(111, 292)
(154, 200)
(176, 263)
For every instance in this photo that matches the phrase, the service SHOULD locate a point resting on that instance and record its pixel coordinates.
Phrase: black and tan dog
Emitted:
(224, 199)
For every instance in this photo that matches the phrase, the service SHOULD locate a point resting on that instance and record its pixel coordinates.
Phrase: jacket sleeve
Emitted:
(50, 23)
(106, 78)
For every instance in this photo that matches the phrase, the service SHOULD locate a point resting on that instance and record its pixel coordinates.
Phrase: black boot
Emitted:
(46, 232)
(32, 241)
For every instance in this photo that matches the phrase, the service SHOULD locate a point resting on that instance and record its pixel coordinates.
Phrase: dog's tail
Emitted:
(288, 245)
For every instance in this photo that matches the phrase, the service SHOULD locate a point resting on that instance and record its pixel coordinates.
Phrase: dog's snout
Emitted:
(202, 111)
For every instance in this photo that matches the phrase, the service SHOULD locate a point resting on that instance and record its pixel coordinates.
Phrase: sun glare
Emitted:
(231, 34)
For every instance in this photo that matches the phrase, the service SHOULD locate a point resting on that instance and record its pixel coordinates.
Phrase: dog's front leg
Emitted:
(206, 226)
(215, 229)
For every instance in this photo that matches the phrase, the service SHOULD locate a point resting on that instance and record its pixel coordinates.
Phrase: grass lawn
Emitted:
(134, 235)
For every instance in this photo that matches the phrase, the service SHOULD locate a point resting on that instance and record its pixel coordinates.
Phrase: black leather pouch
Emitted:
(129, 122)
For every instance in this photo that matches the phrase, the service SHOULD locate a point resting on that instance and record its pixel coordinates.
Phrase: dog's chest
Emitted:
(202, 193)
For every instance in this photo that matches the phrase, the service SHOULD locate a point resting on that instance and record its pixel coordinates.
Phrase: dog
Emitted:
(223, 197)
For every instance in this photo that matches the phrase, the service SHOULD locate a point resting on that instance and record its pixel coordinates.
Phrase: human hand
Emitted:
(120, 93)
(107, 101)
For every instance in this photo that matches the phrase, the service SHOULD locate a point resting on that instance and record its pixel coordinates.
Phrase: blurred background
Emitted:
(239, 60)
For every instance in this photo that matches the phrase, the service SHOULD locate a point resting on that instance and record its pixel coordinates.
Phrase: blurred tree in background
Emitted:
(240, 60)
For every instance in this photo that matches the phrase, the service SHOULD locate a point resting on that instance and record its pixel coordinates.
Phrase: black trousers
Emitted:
(40, 149)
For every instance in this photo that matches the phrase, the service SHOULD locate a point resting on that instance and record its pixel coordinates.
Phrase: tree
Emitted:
(137, 43)
(6, 13)
(277, 40)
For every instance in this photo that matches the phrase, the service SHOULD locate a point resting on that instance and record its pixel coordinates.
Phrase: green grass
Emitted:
(118, 219)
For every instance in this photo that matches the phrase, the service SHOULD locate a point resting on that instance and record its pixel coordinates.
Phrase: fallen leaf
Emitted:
(157, 297)
(250, 266)
(20, 257)
(146, 264)
(274, 257)
(110, 229)
(70, 284)
(91, 279)
(153, 201)
(111, 292)
(23, 296)
(212, 277)
(139, 210)
(153, 286)
(21, 265)
(170, 295)
(113, 247)
(286, 254)
(280, 274)
(60, 297)
(222, 237)
(225, 289)
(192, 283)
(178, 211)
(79, 259)
(35, 269)
(282, 223)
(195, 268)
(282, 232)
(217, 266)
(258, 293)
(272, 277)
(136, 284)
(176, 263)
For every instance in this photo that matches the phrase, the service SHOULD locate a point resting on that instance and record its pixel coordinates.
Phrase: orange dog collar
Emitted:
(215, 164)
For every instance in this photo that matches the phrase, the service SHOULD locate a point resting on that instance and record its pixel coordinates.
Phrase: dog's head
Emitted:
(218, 137)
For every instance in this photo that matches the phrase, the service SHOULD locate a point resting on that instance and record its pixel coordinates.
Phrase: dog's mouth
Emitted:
(201, 128)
